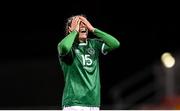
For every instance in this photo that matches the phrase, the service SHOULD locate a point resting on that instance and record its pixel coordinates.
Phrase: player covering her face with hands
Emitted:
(79, 60)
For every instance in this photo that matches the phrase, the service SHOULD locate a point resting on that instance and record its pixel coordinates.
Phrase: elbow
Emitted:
(62, 48)
(59, 47)
(117, 45)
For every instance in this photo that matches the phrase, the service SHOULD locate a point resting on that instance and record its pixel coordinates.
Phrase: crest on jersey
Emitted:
(91, 51)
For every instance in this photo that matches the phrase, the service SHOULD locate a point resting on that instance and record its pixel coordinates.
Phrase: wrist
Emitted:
(92, 29)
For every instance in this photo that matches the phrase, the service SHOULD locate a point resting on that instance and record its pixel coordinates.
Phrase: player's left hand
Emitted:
(87, 23)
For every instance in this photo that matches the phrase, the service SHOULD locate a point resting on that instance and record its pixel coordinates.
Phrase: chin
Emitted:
(83, 36)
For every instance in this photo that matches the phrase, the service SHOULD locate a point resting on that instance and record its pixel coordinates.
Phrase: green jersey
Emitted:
(81, 72)
(80, 65)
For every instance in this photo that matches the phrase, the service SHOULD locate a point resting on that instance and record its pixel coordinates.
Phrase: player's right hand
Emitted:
(75, 24)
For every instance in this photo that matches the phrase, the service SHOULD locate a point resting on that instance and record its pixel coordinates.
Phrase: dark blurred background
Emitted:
(132, 76)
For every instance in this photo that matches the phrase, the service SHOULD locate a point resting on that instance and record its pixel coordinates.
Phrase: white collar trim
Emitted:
(83, 43)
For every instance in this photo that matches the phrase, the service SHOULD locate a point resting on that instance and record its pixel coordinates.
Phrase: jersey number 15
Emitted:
(86, 60)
